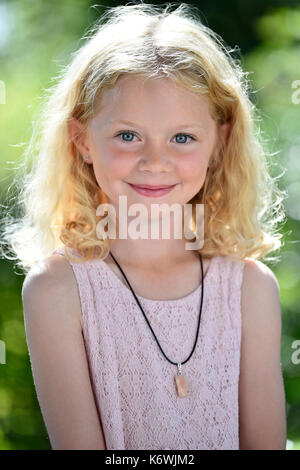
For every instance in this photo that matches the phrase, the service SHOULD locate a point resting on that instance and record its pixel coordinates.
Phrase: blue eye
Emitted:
(129, 137)
(126, 133)
(184, 136)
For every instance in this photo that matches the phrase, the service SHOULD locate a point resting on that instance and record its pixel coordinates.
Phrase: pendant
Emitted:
(180, 382)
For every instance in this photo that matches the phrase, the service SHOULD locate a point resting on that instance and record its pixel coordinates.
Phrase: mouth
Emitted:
(151, 190)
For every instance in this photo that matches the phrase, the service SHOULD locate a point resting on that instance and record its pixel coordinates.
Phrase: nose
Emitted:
(155, 159)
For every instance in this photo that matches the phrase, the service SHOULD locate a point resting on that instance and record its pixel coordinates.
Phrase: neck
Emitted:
(153, 243)
(150, 254)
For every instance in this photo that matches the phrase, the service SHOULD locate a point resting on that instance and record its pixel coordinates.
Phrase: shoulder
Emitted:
(261, 391)
(260, 299)
(51, 284)
(257, 272)
(259, 282)
(52, 272)
(58, 357)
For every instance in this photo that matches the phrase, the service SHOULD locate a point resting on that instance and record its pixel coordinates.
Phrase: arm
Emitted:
(261, 391)
(58, 358)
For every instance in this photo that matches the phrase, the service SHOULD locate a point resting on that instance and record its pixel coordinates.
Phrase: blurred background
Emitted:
(36, 39)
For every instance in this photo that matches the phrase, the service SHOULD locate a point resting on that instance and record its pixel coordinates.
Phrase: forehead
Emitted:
(138, 97)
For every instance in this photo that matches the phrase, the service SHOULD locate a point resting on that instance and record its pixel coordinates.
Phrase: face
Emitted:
(151, 132)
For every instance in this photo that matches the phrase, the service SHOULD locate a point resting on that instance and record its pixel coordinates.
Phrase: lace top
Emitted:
(132, 381)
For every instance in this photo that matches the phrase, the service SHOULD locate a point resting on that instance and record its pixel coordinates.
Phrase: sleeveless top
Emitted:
(133, 383)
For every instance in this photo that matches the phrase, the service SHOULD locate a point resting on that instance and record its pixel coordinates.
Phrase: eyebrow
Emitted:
(129, 123)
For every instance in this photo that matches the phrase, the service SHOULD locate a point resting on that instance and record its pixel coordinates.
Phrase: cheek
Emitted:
(113, 162)
(193, 167)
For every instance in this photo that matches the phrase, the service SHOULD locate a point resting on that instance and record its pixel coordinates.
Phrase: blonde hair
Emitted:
(59, 196)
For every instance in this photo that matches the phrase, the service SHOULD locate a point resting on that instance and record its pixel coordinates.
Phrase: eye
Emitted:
(128, 136)
(182, 138)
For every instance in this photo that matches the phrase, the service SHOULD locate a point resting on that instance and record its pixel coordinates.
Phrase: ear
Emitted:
(224, 131)
(77, 134)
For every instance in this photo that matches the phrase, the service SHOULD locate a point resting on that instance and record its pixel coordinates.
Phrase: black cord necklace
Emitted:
(180, 381)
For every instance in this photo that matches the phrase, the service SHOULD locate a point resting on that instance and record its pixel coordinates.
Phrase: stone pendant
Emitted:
(180, 382)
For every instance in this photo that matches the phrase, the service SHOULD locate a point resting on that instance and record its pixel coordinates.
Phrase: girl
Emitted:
(141, 342)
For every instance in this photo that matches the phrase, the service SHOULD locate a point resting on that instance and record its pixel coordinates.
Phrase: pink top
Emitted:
(132, 381)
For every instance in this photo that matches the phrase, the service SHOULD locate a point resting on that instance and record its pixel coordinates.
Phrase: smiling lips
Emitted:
(152, 191)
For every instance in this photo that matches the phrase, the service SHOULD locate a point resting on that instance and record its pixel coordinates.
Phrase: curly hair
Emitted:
(59, 195)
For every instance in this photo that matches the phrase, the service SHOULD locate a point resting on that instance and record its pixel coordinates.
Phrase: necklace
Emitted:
(180, 380)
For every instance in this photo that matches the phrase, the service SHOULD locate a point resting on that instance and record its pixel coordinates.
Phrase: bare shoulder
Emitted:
(52, 280)
(256, 271)
(260, 288)
(58, 356)
(261, 391)
(260, 300)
